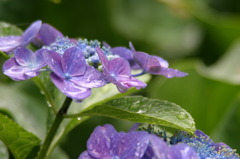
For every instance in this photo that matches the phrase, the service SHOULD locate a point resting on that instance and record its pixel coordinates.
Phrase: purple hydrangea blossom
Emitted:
(154, 64)
(105, 142)
(72, 75)
(24, 65)
(9, 43)
(118, 72)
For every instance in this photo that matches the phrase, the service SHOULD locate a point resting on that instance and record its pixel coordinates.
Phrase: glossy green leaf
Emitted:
(145, 110)
(19, 141)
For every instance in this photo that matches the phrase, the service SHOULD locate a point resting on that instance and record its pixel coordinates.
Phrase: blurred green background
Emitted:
(200, 37)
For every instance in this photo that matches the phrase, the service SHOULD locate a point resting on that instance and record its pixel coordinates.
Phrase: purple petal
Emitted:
(163, 62)
(141, 59)
(53, 60)
(124, 82)
(73, 62)
(183, 151)
(23, 56)
(91, 79)
(17, 72)
(85, 155)
(131, 145)
(47, 35)
(119, 66)
(70, 89)
(102, 57)
(126, 54)
(38, 58)
(169, 72)
(101, 141)
(158, 149)
(31, 32)
(8, 43)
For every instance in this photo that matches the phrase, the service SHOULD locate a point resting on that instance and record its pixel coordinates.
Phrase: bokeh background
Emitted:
(200, 37)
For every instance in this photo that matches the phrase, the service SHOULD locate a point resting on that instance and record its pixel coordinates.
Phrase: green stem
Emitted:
(52, 132)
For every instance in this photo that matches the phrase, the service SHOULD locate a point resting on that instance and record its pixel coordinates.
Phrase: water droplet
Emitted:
(49, 104)
(42, 92)
(140, 111)
(182, 116)
(79, 118)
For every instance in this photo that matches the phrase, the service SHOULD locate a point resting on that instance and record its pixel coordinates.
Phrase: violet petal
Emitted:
(91, 79)
(8, 43)
(53, 60)
(126, 54)
(31, 32)
(101, 141)
(119, 66)
(17, 72)
(47, 35)
(23, 56)
(73, 62)
(70, 89)
(85, 155)
(183, 151)
(131, 145)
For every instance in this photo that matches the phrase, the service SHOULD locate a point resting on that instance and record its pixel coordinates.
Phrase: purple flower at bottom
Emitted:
(24, 65)
(159, 149)
(117, 71)
(9, 43)
(106, 143)
(72, 75)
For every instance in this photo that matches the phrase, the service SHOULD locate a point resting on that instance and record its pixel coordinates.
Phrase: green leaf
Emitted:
(3, 151)
(19, 141)
(8, 29)
(145, 110)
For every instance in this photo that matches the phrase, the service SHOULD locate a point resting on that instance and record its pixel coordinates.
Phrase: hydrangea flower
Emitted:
(159, 149)
(204, 146)
(118, 72)
(106, 143)
(24, 65)
(72, 75)
(40, 34)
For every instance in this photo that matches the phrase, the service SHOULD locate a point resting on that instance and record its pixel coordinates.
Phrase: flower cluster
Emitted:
(204, 146)
(77, 66)
(106, 143)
